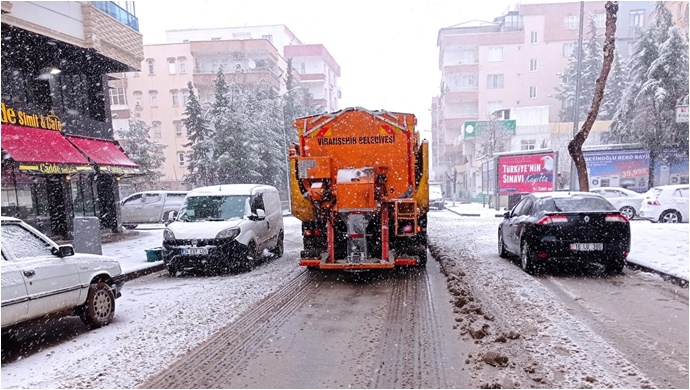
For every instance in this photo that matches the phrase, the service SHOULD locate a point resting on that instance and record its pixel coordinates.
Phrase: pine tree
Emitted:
(267, 133)
(615, 88)
(659, 73)
(592, 59)
(201, 169)
(228, 143)
(137, 144)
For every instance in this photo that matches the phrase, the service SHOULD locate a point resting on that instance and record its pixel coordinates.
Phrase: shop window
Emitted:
(84, 198)
(180, 159)
(175, 97)
(118, 96)
(14, 85)
(156, 127)
(154, 98)
(171, 66)
(151, 65)
(182, 65)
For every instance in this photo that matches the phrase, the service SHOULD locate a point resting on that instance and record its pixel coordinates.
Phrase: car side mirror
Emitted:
(171, 218)
(506, 215)
(66, 250)
(260, 214)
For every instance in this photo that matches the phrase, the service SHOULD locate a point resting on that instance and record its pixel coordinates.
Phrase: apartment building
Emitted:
(247, 55)
(59, 158)
(508, 63)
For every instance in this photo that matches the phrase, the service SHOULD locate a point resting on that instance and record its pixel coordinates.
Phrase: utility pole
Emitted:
(576, 116)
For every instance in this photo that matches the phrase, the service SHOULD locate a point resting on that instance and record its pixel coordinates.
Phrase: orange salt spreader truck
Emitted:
(359, 184)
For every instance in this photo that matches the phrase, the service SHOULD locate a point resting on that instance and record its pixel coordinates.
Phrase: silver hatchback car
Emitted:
(150, 207)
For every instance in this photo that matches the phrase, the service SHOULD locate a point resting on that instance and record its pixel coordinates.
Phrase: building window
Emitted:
(493, 106)
(185, 96)
(495, 54)
(156, 127)
(268, 38)
(151, 63)
(533, 65)
(533, 37)
(529, 144)
(180, 158)
(532, 92)
(600, 20)
(137, 98)
(175, 97)
(154, 98)
(171, 66)
(118, 97)
(569, 49)
(571, 22)
(182, 65)
(178, 128)
(494, 81)
(637, 18)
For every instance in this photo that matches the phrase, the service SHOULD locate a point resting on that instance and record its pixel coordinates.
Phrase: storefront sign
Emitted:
(50, 169)
(18, 117)
(618, 168)
(120, 170)
(526, 173)
(477, 128)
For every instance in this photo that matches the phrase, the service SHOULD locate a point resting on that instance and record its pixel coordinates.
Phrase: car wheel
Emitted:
(669, 216)
(250, 258)
(615, 266)
(502, 252)
(280, 246)
(130, 227)
(99, 308)
(527, 260)
(172, 271)
(628, 212)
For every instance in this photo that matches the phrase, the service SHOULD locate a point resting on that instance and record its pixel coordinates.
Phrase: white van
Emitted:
(224, 226)
(150, 207)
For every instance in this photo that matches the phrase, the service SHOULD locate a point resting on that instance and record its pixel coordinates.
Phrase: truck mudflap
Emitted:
(371, 264)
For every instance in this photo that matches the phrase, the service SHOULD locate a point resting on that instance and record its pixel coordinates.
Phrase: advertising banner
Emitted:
(618, 168)
(526, 173)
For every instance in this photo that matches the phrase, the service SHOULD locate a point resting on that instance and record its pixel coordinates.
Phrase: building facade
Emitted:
(512, 62)
(246, 54)
(59, 158)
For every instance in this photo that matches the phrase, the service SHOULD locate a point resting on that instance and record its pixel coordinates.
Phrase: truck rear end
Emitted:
(359, 184)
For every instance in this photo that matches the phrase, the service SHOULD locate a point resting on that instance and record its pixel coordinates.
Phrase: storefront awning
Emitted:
(107, 154)
(42, 151)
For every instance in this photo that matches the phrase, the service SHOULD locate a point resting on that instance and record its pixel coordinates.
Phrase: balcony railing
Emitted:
(118, 13)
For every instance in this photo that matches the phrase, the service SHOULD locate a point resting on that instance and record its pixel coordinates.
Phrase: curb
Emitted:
(144, 271)
(470, 214)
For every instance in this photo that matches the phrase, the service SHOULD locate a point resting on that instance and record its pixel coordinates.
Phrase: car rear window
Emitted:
(577, 203)
(653, 193)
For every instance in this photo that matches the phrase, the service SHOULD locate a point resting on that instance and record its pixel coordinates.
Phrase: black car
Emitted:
(551, 228)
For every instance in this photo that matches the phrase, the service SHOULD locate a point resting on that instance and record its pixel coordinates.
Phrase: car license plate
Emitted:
(587, 246)
(194, 251)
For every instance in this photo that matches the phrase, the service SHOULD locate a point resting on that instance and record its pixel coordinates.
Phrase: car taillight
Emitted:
(654, 202)
(549, 219)
(616, 218)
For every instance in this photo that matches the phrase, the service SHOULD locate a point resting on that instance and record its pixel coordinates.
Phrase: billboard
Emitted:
(526, 173)
(618, 168)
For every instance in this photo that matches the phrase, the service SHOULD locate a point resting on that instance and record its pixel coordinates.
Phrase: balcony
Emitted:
(118, 13)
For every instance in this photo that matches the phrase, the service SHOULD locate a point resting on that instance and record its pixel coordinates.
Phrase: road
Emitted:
(469, 320)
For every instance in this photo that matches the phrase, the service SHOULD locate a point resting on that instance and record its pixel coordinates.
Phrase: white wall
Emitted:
(279, 36)
(62, 16)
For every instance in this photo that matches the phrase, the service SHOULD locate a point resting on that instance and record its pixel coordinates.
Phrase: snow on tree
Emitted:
(226, 117)
(147, 154)
(659, 73)
(267, 133)
(615, 88)
(201, 168)
(591, 65)
(297, 102)
(575, 145)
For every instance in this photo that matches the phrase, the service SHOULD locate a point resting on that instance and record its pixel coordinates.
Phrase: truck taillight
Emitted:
(309, 232)
(549, 219)
(616, 218)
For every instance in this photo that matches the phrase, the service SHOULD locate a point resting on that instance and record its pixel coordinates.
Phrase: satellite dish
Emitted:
(251, 64)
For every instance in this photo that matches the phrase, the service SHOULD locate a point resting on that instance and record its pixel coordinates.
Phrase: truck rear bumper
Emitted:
(373, 264)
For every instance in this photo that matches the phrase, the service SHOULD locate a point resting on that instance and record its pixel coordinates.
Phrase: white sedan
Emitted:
(626, 201)
(667, 204)
(40, 278)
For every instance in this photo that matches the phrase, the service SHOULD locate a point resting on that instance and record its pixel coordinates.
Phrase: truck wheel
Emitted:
(99, 308)
(422, 258)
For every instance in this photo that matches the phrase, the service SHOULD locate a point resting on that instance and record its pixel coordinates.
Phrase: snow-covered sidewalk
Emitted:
(662, 247)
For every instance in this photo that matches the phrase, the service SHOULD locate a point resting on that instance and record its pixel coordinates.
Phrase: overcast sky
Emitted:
(386, 49)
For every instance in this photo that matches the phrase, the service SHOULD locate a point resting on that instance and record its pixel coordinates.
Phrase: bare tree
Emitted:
(493, 137)
(575, 145)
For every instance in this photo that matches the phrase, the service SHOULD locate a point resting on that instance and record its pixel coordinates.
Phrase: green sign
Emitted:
(477, 128)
